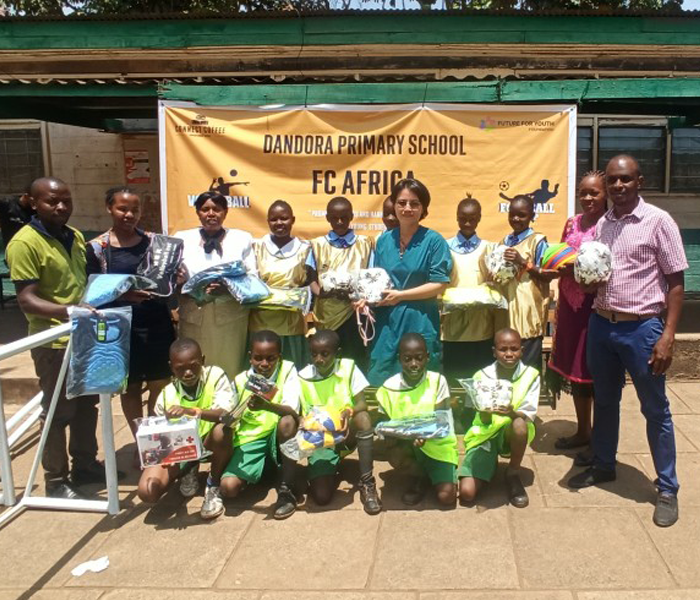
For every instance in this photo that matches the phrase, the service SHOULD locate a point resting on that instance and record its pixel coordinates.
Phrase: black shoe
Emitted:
(591, 476)
(584, 459)
(286, 504)
(516, 491)
(370, 497)
(65, 491)
(666, 511)
(95, 473)
(415, 494)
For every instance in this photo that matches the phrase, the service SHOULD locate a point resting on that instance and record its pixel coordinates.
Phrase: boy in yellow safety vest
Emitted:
(265, 423)
(502, 431)
(197, 391)
(413, 392)
(336, 383)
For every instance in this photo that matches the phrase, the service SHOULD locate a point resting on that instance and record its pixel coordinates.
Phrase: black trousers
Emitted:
(78, 414)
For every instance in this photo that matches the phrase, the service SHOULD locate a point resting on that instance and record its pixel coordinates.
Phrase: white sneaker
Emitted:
(189, 482)
(213, 504)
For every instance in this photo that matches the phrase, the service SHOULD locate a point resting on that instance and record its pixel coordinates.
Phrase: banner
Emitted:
(308, 155)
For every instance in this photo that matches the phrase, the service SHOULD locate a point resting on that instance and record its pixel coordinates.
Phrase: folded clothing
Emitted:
(319, 428)
(105, 288)
(294, 299)
(336, 281)
(431, 426)
(247, 289)
(487, 394)
(461, 298)
(161, 262)
(370, 284)
(99, 357)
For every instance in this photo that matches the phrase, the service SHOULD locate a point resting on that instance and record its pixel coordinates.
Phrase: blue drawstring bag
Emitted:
(161, 262)
(99, 356)
(105, 288)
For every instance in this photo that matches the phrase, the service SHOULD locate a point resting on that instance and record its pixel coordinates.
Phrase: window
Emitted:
(685, 160)
(646, 144)
(21, 159)
(584, 151)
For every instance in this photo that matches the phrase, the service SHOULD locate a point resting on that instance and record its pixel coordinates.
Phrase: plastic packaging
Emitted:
(105, 288)
(500, 269)
(294, 299)
(557, 256)
(593, 263)
(461, 298)
(99, 359)
(487, 394)
(431, 426)
(245, 288)
(163, 441)
(336, 281)
(370, 284)
(161, 262)
(319, 428)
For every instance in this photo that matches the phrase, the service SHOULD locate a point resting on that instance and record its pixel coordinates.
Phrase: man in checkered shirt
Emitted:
(627, 332)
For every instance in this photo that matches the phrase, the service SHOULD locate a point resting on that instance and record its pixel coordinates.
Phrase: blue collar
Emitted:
(341, 241)
(513, 240)
(462, 245)
(66, 237)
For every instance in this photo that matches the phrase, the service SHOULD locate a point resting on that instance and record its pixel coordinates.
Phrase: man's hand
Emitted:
(662, 354)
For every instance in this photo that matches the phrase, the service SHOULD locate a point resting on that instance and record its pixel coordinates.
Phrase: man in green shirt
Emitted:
(47, 265)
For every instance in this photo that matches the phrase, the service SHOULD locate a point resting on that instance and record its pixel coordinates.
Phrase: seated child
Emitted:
(340, 250)
(264, 423)
(417, 391)
(505, 432)
(202, 392)
(527, 294)
(334, 382)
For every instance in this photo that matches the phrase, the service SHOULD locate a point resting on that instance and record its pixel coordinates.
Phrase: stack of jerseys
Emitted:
(319, 428)
(500, 269)
(370, 284)
(161, 263)
(557, 256)
(294, 299)
(99, 351)
(247, 289)
(432, 426)
(462, 298)
(487, 394)
(593, 263)
(106, 288)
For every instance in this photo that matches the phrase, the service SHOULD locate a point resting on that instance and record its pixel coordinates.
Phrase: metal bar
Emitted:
(25, 410)
(38, 339)
(22, 429)
(11, 512)
(63, 504)
(47, 422)
(8, 483)
(110, 454)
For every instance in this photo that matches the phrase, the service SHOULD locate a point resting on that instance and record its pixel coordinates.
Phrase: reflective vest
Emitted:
(257, 424)
(483, 429)
(420, 400)
(333, 392)
(204, 400)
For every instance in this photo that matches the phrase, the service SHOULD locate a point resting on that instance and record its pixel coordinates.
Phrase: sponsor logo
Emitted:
(542, 197)
(490, 123)
(199, 127)
(226, 188)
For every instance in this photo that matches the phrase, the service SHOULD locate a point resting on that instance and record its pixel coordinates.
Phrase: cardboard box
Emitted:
(168, 442)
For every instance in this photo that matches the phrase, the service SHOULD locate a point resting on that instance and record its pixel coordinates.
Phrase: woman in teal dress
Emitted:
(419, 262)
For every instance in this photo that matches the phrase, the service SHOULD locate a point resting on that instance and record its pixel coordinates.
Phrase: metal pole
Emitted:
(110, 454)
(24, 427)
(48, 420)
(25, 410)
(8, 484)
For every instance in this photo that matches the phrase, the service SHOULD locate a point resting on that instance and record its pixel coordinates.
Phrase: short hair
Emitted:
(184, 345)
(280, 204)
(45, 181)
(507, 331)
(468, 201)
(339, 200)
(529, 200)
(412, 336)
(215, 197)
(414, 186)
(326, 336)
(626, 157)
(111, 193)
(265, 336)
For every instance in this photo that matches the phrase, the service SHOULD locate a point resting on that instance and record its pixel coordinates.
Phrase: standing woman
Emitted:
(419, 264)
(281, 260)
(220, 326)
(574, 309)
(120, 250)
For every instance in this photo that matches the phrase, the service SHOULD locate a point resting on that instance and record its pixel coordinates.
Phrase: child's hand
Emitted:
(258, 403)
(512, 255)
(181, 275)
(419, 443)
(345, 417)
(175, 412)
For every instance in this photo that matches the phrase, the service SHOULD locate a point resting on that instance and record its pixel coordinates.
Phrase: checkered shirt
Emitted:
(646, 245)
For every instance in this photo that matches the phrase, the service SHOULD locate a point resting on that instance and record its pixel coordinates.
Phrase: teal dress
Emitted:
(426, 260)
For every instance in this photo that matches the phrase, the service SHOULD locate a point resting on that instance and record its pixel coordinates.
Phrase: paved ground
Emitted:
(596, 544)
